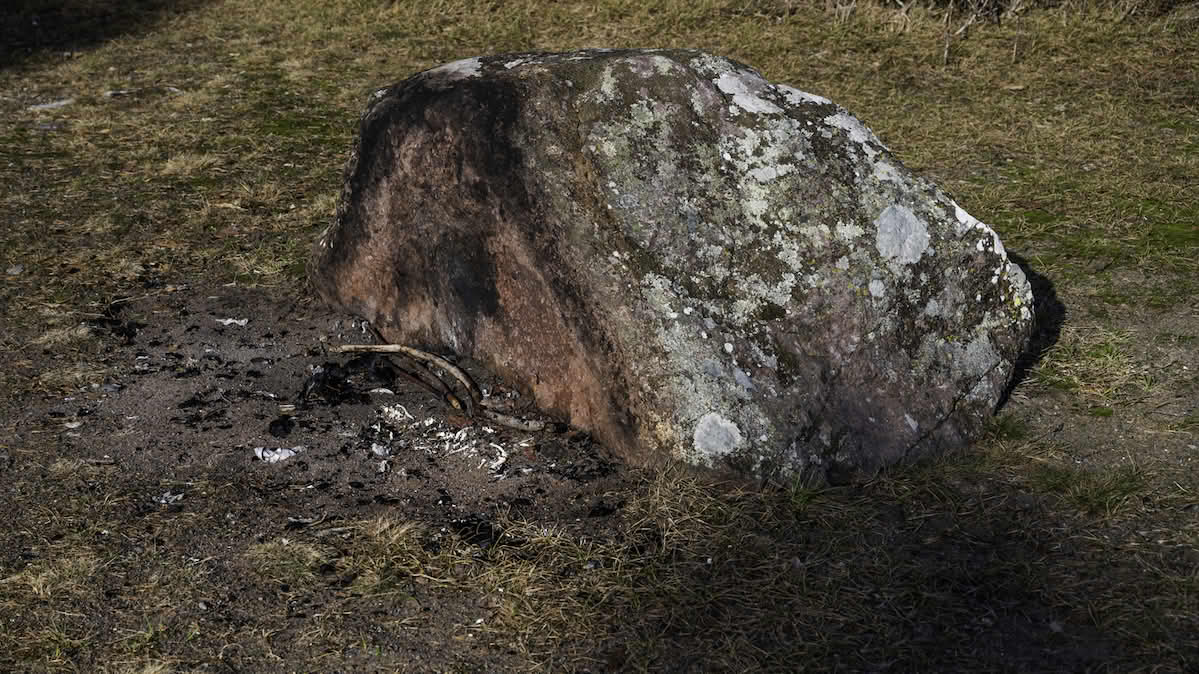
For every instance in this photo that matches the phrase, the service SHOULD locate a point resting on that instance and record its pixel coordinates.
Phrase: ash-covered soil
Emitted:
(229, 382)
(224, 422)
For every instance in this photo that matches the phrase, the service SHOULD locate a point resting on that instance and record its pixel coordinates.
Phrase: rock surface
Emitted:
(682, 258)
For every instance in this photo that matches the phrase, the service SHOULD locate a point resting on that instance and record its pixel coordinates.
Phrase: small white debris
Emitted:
(15, 270)
(398, 413)
(53, 105)
(168, 498)
(233, 321)
(276, 454)
(728, 348)
(500, 459)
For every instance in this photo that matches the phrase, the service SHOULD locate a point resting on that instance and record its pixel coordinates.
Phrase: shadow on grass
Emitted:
(903, 575)
(1049, 315)
(29, 29)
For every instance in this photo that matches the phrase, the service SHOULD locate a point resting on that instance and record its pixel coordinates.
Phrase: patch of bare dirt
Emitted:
(223, 423)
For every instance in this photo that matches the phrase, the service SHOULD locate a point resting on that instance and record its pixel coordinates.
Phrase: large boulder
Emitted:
(686, 260)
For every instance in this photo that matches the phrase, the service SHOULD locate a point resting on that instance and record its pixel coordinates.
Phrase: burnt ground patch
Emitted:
(226, 437)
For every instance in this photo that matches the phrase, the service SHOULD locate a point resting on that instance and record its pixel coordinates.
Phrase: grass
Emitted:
(1068, 536)
(1099, 494)
(1098, 364)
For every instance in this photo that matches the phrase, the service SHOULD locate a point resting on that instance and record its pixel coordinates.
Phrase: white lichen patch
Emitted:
(659, 293)
(458, 70)
(817, 235)
(764, 157)
(650, 64)
(796, 97)
(788, 254)
(858, 132)
(744, 87)
(848, 231)
(815, 281)
(1022, 297)
(642, 113)
(753, 291)
(978, 357)
(716, 437)
(988, 239)
(966, 221)
(663, 65)
(901, 235)
(743, 379)
(608, 85)
(885, 171)
(765, 174)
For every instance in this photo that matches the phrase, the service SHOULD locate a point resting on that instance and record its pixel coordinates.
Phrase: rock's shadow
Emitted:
(29, 28)
(1049, 314)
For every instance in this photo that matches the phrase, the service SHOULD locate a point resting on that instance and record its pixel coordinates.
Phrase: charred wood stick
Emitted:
(512, 422)
(417, 372)
(476, 396)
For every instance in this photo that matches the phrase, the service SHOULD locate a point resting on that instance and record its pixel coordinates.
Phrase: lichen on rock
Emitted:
(687, 260)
